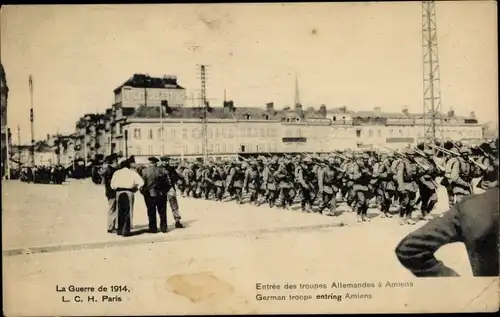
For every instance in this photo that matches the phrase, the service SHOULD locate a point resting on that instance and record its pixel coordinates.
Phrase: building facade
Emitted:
(148, 118)
(142, 89)
(291, 131)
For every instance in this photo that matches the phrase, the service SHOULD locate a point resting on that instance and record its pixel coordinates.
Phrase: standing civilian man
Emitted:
(125, 182)
(155, 194)
(110, 193)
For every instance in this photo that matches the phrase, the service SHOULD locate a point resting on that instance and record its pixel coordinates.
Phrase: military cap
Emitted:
(410, 151)
(164, 158)
(254, 162)
(153, 159)
(365, 156)
(131, 159)
(464, 150)
(307, 160)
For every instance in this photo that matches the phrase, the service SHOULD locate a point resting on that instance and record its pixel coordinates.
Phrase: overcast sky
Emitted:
(355, 54)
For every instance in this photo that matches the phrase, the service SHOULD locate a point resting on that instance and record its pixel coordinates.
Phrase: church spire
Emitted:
(297, 95)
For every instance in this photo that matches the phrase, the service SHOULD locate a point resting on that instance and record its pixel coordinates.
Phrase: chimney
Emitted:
(343, 109)
(405, 111)
(270, 107)
(472, 115)
(322, 111)
(48, 136)
(451, 113)
(229, 106)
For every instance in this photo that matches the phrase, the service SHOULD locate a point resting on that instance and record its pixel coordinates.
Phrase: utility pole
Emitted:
(204, 116)
(7, 152)
(32, 150)
(19, 145)
(431, 77)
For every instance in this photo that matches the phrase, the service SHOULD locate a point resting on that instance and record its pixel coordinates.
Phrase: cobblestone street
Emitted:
(55, 235)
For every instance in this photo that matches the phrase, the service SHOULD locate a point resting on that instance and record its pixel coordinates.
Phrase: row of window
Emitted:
(249, 132)
(196, 133)
(401, 132)
(211, 148)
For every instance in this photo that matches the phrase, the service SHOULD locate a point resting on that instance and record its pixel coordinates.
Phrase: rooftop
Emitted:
(146, 81)
(230, 111)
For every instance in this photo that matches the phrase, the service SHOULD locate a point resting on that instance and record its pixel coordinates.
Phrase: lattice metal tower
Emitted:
(433, 120)
(204, 136)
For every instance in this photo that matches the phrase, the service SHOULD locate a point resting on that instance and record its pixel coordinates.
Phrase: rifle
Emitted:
(325, 164)
(341, 155)
(244, 159)
(442, 149)
(481, 166)
(420, 152)
(491, 157)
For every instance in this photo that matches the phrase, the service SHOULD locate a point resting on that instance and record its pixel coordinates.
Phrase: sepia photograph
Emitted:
(249, 158)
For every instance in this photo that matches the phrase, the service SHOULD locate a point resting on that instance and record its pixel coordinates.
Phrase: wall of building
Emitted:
(133, 97)
(227, 136)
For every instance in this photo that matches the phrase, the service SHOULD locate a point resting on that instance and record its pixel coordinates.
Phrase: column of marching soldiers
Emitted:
(406, 179)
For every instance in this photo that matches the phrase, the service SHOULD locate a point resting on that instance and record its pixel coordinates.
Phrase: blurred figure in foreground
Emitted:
(473, 221)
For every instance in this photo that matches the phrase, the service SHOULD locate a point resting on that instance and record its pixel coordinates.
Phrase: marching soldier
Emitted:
(361, 176)
(304, 176)
(285, 177)
(327, 188)
(489, 175)
(251, 181)
(461, 174)
(407, 187)
(188, 176)
(181, 182)
(385, 190)
(219, 178)
(270, 180)
(205, 180)
(446, 181)
(427, 185)
(235, 181)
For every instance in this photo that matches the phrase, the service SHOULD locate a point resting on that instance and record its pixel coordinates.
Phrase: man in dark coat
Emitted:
(171, 179)
(110, 193)
(473, 221)
(155, 194)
